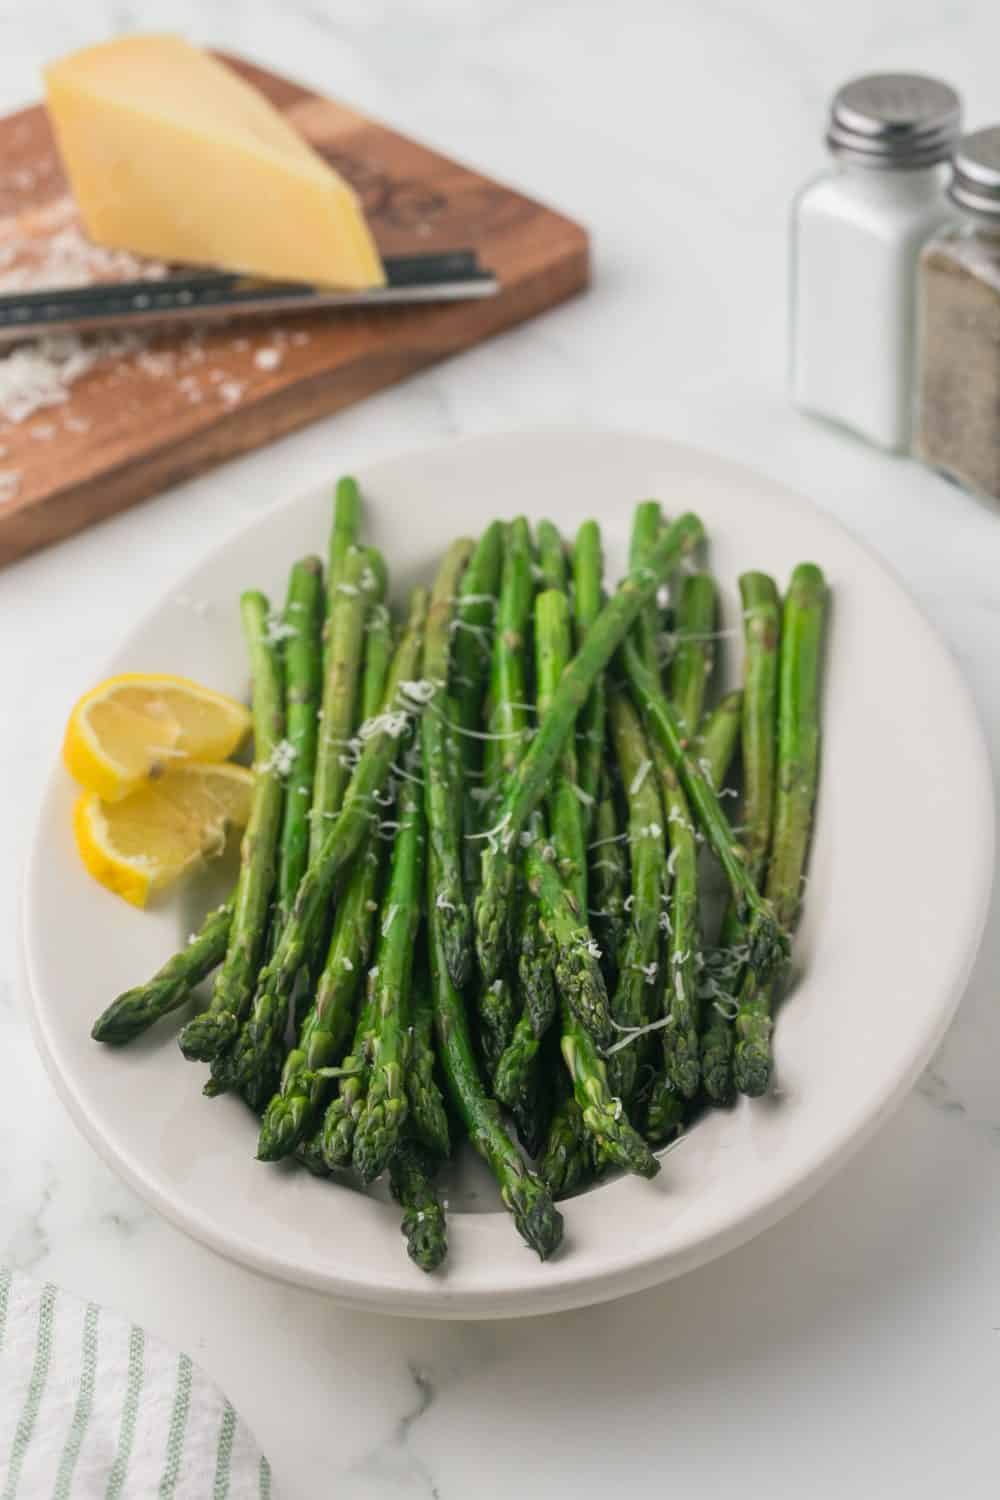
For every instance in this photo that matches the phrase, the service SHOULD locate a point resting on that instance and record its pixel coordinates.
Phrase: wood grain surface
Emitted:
(154, 410)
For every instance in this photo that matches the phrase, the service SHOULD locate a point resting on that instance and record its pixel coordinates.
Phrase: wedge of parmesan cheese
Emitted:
(170, 154)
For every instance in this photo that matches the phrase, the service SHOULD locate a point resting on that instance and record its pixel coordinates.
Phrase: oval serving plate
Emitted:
(883, 954)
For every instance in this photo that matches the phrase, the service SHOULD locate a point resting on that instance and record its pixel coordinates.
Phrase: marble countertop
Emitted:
(855, 1347)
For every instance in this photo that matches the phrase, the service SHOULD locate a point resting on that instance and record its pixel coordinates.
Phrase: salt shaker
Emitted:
(958, 342)
(856, 234)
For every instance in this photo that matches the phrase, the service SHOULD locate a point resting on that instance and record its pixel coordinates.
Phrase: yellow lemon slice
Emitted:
(133, 727)
(147, 840)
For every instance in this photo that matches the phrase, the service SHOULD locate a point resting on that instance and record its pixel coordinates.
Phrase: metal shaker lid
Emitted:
(975, 184)
(894, 120)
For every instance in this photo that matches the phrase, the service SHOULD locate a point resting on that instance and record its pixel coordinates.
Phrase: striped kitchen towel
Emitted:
(91, 1406)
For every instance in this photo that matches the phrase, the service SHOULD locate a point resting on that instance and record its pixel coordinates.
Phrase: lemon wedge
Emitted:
(132, 728)
(154, 835)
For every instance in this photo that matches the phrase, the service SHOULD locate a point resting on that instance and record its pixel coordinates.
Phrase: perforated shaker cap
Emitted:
(894, 121)
(975, 184)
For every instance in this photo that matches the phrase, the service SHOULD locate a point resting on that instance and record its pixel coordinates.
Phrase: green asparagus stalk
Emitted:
(255, 1064)
(719, 735)
(538, 1221)
(795, 796)
(359, 585)
(681, 1043)
(209, 1034)
(497, 1015)
(567, 1161)
(603, 1114)
(608, 881)
(647, 523)
(563, 903)
(527, 785)
(551, 557)
(762, 629)
(427, 1113)
(386, 1105)
(326, 1029)
(442, 766)
(588, 571)
(768, 944)
(471, 656)
(666, 1113)
(509, 727)
(410, 1178)
(344, 534)
(335, 1138)
(294, 1110)
(303, 671)
(694, 655)
(347, 834)
(576, 956)
(717, 741)
(171, 985)
(631, 1005)
(536, 979)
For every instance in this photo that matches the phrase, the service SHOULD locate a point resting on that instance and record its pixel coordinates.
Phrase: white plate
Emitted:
(884, 951)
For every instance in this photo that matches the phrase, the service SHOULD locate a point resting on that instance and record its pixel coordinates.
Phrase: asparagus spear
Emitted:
(303, 658)
(497, 1016)
(666, 1113)
(136, 1010)
(326, 1028)
(471, 655)
(716, 744)
(588, 568)
(681, 1045)
(509, 727)
(538, 1221)
(647, 853)
(551, 557)
(380, 1121)
(360, 583)
(602, 1113)
(608, 880)
(647, 523)
(324, 1032)
(209, 1034)
(762, 627)
(335, 1137)
(567, 1160)
(427, 1112)
(344, 837)
(527, 785)
(576, 956)
(536, 979)
(718, 735)
(694, 655)
(442, 766)
(795, 795)
(344, 535)
(410, 1173)
(767, 941)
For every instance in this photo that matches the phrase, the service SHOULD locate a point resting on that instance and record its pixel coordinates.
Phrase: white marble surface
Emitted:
(855, 1348)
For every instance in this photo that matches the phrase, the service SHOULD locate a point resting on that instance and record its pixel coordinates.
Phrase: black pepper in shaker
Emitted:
(958, 338)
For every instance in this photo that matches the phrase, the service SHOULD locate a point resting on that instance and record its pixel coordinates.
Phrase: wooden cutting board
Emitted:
(161, 409)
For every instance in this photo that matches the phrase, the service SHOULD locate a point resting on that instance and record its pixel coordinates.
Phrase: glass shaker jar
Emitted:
(958, 386)
(856, 233)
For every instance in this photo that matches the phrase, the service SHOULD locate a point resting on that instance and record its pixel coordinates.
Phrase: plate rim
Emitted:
(566, 1289)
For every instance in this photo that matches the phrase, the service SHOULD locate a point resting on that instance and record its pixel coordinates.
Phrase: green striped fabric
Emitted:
(92, 1408)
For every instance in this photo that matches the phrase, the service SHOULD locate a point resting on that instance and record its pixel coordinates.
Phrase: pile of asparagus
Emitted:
(473, 877)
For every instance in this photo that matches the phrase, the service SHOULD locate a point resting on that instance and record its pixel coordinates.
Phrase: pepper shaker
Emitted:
(958, 411)
(856, 234)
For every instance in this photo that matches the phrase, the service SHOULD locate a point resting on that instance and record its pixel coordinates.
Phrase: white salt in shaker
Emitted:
(856, 234)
